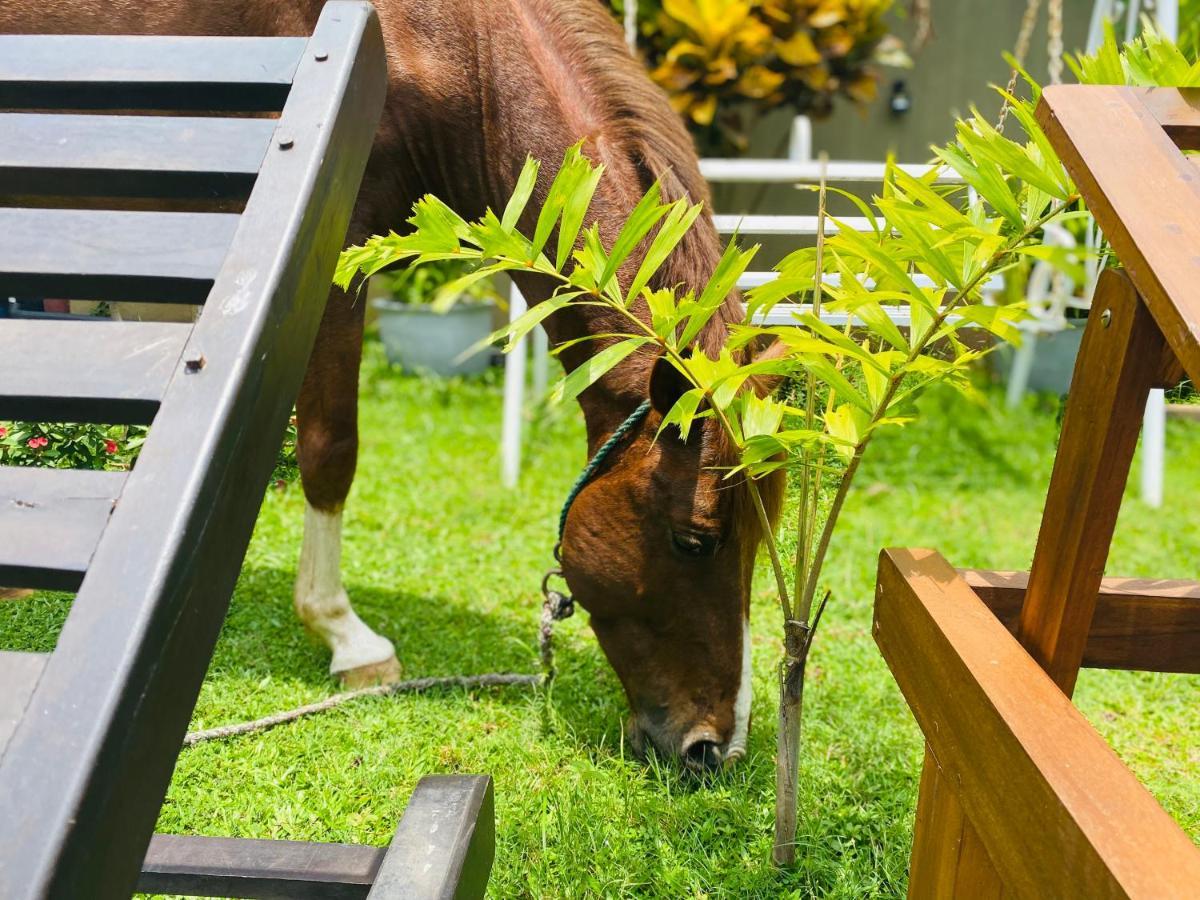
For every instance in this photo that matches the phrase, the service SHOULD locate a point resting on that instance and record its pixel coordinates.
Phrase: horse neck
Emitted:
(492, 81)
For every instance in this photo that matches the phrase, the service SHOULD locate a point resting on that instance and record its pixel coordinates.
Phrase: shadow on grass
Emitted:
(433, 635)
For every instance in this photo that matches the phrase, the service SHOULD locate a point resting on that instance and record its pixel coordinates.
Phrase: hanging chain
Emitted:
(1055, 45)
(1020, 53)
(922, 14)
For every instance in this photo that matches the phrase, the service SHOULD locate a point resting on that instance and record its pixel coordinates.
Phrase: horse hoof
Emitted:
(386, 672)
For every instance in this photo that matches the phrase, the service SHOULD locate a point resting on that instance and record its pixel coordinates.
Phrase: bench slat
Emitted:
(130, 156)
(104, 255)
(146, 72)
(50, 523)
(19, 674)
(249, 868)
(97, 371)
(1152, 625)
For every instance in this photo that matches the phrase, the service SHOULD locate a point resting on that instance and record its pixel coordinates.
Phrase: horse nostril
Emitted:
(702, 756)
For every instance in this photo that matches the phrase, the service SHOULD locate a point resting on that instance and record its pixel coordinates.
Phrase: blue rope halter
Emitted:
(556, 605)
(598, 459)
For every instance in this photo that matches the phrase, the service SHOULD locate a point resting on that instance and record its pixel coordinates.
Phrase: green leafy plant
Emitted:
(112, 448)
(1189, 28)
(930, 252)
(1149, 60)
(424, 285)
(69, 446)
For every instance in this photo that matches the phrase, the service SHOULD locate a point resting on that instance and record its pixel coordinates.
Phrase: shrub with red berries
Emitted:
(103, 447)
(68, 446)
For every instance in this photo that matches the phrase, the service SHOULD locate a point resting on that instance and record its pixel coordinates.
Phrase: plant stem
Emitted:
(795, 625)
(772, 548)
(787, 756)
(810, 482)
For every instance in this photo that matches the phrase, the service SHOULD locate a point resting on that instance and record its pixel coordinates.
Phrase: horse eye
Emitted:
(692, 544)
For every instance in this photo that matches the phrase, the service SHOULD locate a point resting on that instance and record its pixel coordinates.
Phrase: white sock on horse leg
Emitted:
(321, 601)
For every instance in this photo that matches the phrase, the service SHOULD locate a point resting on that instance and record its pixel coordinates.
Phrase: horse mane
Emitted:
(637, 118)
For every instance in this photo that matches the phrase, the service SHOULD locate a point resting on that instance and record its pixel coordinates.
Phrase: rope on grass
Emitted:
(415, 685)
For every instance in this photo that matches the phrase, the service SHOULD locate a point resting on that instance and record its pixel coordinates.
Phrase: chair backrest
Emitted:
(242, 209)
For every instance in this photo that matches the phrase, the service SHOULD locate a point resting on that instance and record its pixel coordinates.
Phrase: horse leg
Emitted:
(327, 450)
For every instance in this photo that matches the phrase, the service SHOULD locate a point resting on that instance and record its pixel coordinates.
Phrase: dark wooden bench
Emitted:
(236, 200)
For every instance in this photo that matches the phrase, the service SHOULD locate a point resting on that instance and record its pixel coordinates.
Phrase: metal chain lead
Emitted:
(1020, 53)
(1055, 46)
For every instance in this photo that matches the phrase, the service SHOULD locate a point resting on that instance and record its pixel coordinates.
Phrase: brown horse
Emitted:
(657, 548)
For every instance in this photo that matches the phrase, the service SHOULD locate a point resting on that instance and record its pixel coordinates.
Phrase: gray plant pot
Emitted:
(1053, 359)
(420, 339)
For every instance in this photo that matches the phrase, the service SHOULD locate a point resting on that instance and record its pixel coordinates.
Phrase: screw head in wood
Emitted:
(1106, 318)
(286, 142)
(321, 55)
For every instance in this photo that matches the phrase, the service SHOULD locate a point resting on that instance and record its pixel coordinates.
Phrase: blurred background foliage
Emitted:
(1189, 27)
(724, 63)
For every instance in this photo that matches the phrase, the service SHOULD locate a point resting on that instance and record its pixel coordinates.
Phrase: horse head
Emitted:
(659, 548)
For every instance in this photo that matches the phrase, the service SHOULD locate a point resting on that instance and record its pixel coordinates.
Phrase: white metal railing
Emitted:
(806, 171)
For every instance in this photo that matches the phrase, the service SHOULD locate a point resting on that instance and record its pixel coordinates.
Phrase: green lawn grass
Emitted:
(447, 563)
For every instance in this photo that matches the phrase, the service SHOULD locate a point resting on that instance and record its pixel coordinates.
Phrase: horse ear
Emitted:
(667, 385)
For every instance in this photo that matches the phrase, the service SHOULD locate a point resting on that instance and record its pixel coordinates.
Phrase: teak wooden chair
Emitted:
(91, 209)
(1020, 797)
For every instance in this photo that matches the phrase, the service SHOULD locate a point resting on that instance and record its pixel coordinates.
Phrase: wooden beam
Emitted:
(1057, 812)
(1149, 625)
(1186, 411)
(1177, 110)
(1143, 192)
(1123, 355)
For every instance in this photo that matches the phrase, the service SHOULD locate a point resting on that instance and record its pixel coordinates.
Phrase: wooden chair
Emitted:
(89, 732)
(1019, 795)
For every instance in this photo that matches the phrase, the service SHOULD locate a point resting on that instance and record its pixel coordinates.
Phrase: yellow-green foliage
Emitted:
(1148, 60)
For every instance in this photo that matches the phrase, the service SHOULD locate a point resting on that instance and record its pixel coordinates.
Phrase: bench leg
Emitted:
(948, 857)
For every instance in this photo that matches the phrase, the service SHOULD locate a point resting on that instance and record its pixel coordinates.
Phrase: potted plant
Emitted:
(431, 315)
